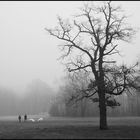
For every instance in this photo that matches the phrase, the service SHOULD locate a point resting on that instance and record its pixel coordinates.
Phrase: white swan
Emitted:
(32, 120)
(40, 119)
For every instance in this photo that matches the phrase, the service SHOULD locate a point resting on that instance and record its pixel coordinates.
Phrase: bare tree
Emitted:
(89, 41)
(78, 83)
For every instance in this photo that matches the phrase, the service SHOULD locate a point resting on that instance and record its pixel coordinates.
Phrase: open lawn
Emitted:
(70, 128)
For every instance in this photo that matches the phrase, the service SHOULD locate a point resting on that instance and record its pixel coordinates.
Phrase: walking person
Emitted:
(19, 118)
(25, 117)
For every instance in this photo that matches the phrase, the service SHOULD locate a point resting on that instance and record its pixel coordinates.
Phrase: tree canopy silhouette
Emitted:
(90, 39)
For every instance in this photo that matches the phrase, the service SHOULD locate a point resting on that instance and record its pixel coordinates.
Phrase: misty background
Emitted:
(31, 76)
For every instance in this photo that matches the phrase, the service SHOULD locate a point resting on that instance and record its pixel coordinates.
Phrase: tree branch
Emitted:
(79, 68)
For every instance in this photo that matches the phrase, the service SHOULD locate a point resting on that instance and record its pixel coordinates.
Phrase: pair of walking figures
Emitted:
(25, 118)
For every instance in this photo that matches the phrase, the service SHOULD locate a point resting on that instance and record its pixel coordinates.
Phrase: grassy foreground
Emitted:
(70, 128)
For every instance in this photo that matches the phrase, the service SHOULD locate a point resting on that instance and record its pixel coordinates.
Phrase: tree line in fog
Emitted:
(37, 99)
(40, 98)
(129, 102)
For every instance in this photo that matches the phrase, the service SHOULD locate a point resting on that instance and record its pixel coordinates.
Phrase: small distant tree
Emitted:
(77, 84)
(89, 41)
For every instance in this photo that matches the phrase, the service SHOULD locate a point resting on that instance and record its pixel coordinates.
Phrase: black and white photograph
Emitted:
(69, 70)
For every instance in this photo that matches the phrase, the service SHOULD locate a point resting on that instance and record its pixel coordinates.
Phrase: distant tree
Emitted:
(89, 41)
(38, 97)
(75, 87)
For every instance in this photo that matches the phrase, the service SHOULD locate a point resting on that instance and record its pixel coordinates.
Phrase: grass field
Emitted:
(70, 128)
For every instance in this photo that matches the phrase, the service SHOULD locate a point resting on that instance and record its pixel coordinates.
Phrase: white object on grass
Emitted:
(40, 119)
(32, 120)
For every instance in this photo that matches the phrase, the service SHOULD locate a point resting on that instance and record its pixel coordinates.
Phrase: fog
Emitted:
(28, 52)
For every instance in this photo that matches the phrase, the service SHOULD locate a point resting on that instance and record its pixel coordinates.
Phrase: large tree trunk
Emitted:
(103, 112)
(102, 102)
(101, 93)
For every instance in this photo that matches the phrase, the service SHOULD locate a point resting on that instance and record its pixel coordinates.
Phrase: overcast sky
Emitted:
(28, 52)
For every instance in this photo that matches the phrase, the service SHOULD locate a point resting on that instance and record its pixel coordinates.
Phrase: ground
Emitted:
(70, 128)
